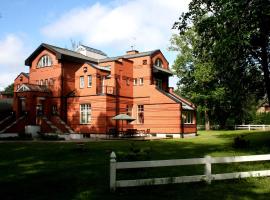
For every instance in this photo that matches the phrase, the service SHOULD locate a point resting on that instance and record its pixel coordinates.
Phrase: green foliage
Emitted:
(135, 153)
(50, 137)
(9, 89)
(261, 118)
(240, 142)
(227, 63)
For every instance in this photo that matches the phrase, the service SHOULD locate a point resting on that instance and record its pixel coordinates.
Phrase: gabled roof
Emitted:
(23, 73)
(33, 88)
(177, 99)
(162, 70)
(94, 50)
(142, 54)
(61, 53)
(108, 68)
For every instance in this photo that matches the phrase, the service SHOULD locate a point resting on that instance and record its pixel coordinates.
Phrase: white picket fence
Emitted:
(252, 127)
(207, 176)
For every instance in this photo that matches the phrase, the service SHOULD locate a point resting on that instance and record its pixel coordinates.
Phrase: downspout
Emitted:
(63, 99)
(181, 124)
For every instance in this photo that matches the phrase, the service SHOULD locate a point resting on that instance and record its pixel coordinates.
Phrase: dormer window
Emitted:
(158, 63)
(45, 61)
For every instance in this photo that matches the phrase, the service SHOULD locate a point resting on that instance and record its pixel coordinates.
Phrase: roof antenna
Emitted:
(133, 45)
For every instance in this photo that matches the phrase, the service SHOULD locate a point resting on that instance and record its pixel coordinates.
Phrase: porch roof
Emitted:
(157, 69)
(33, 88)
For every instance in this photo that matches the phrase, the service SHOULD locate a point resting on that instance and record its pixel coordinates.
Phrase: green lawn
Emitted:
(57, 170)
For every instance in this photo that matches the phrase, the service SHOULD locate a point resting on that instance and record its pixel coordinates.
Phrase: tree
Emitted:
(9, 89)
(226, 29)
(197, 77)
(232, 31)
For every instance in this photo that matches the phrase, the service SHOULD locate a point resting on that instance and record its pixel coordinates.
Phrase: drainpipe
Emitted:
(63, 99)
(116, 102)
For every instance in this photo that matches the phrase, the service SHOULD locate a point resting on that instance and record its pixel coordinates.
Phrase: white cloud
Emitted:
(115, 25)
(12, 55)
(12, 52)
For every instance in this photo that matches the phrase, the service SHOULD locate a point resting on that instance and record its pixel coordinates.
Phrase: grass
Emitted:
(57, 170)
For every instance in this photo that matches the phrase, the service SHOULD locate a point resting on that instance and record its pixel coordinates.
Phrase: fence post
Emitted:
(249, 127)
(113, 172)
(207, 169)
(264, 127)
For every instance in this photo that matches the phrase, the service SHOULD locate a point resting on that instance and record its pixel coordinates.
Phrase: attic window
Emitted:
(144, 62)
(45, 61)
(158, 63)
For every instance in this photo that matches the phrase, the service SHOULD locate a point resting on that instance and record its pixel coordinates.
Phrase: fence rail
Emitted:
(207, 176)
(252, 127)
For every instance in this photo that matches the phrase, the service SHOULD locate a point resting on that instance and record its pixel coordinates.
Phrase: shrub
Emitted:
(240, 142)
(135, 153)
(50, 137)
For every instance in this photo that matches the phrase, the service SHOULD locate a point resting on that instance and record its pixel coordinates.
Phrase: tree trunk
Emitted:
(207, 121)
(265, 68)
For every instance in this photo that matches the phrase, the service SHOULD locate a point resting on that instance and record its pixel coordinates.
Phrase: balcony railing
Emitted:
(102, 90)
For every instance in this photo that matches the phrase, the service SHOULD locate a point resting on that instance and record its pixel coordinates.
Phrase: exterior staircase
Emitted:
(54, 128)
(60, 124)
(6, 121)
(13, 124)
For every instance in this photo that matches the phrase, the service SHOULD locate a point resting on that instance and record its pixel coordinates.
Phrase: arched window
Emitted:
(45, 61)
(158, 63)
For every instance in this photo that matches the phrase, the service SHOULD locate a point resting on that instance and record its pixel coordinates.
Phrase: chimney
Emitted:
(131, 52)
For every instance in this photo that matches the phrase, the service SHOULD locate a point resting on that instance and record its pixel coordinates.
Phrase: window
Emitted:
(45, 61)
(144, 62)
(135, 81)
(159, 83)
(51, 81)
(141, 81)
(85, 113)
(140, 114)
(128, 81)
(129, 110)
(41, 82)
(37, 82)
(89, 81)
(187, 117)
(54, 110)
(81, 81)
(46, 81)
(158, 63)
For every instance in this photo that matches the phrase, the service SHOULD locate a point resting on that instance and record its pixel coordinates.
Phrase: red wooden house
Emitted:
(82, 90)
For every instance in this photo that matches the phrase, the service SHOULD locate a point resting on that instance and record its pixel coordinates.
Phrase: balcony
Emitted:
(106, 90)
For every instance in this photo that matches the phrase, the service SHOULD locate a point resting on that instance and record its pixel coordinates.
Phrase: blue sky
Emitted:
(109, 25)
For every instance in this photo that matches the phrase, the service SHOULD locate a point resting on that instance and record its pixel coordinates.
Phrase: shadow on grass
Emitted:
(59, 171)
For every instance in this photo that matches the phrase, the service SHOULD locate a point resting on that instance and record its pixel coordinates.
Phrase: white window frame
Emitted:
(81, 82)
(135, 81)
(41, 82)
(89, 81)
(188, 117)
(44, 61)
(140, 110)
(85, 113)
(141, 81)
(159, 63)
